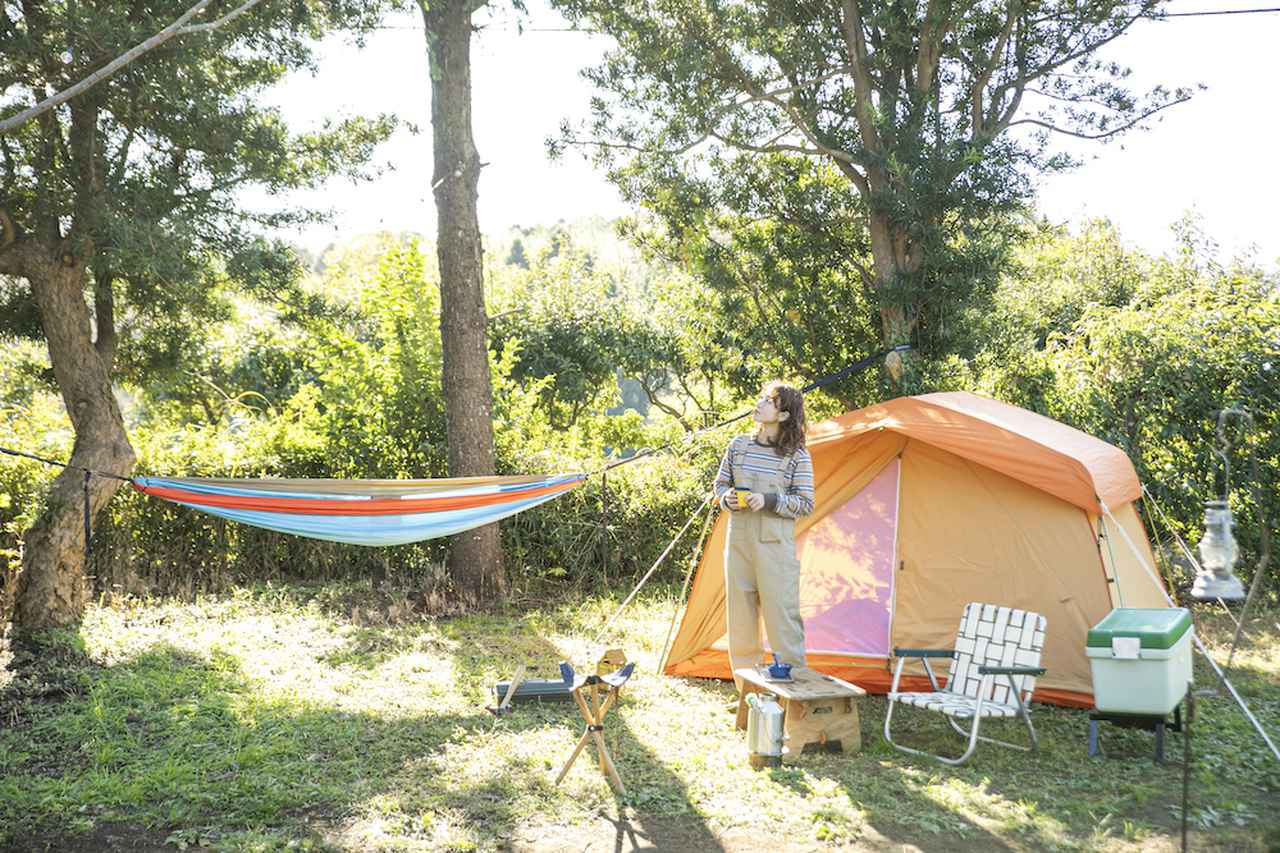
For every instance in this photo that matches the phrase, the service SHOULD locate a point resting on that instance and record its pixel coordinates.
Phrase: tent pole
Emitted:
(1114, 579)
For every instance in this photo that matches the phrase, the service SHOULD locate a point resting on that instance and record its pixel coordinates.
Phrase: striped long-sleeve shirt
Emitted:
(795, 471)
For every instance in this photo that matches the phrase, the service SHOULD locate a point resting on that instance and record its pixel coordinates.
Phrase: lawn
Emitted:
(334, 718)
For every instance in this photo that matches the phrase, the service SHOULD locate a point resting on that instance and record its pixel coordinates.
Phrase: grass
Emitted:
(271, 719)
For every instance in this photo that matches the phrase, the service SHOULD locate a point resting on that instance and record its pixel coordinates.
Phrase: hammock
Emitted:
(362, 512)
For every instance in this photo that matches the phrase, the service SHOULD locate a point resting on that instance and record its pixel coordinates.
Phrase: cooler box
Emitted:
(1141, 660)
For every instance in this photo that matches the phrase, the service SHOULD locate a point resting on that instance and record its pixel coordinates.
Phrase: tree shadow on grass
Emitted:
(641, 818)
(185, 745)
(897, 803)
(1003, 798)
(1000, 799)
(181, 746)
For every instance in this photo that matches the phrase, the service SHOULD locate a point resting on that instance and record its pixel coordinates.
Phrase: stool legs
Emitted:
(595, 731)
(582, 741)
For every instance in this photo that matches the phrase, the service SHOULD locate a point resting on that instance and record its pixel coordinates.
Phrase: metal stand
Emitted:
(1149, 722)
(1262, 733)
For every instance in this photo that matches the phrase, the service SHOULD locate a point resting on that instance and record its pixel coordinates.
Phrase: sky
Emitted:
(1216, 155)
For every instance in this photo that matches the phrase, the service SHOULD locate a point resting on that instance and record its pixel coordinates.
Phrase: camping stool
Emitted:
(593, 713)
(1150, 722)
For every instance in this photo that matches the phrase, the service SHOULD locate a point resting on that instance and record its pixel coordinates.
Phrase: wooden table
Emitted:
(820, 711)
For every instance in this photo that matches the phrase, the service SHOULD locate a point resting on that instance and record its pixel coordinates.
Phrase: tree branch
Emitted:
(652, 396)
(1079, 135)
(19, 255)
(644, 149)
(770, 147)
(177, 28)
(7, 232)
(859, 180)
(935, 29)
(984, 75)
(856, 47)
(1051, 67)
(801, 125)
(1066, 99)
(756, 95)
(219, 22)
(804, 84)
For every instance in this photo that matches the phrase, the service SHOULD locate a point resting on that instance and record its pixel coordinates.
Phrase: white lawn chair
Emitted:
(993, 670)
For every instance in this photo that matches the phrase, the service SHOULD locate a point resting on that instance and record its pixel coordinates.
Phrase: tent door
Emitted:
(847, 562)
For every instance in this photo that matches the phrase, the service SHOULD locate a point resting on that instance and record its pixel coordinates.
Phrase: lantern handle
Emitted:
(1224, 445)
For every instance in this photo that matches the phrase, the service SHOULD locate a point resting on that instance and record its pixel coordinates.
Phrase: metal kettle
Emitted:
(764, 730)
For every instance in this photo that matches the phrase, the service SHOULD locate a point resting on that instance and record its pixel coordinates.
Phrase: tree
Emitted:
(517, 257)
(568, 324)
(937, 113)
(475, 556)
(126, 191)
(1144, 352)
(179, 27)
(781, 288)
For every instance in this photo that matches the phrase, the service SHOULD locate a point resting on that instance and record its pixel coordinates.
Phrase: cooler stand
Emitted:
(1149, 722)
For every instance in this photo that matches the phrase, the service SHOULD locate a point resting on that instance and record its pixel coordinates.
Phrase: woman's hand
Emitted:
(755, 501)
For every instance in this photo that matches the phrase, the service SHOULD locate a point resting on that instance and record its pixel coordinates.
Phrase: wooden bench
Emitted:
(821, 711)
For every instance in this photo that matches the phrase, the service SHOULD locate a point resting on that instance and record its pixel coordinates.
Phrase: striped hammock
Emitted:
(362, 512)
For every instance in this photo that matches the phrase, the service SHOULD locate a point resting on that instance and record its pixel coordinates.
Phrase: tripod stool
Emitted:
(593, 713)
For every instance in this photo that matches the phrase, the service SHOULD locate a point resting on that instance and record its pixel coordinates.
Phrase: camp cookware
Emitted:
(764, 730)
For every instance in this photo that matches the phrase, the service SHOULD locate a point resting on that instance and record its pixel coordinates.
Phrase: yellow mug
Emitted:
(742, 498)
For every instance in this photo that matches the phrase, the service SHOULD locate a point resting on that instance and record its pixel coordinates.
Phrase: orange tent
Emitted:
(923, 504)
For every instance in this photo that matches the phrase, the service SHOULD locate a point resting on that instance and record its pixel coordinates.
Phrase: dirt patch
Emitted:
(640, 833)
(647, 833)
(681, 834)
(104, 838)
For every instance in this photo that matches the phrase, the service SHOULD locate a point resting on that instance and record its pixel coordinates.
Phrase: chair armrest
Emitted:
(1011, 670)
(923, 653)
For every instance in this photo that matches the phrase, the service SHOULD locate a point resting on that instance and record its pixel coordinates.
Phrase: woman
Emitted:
(766, 482)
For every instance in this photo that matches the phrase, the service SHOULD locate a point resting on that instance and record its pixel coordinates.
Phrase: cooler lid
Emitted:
(1156, 628)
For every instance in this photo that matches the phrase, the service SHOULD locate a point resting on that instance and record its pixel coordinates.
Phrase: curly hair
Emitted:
(791, 431)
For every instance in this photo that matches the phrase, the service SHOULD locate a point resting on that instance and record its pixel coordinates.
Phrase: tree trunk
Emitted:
(104, 318)
(475, 556)
(892, 255)
(52, 589)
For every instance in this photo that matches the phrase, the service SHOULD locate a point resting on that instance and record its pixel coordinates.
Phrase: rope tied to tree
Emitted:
(88, 475)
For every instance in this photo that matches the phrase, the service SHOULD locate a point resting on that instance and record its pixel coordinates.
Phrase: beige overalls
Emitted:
(762, 574)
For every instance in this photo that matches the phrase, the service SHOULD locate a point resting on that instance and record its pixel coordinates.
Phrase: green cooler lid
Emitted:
(1158, 628)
